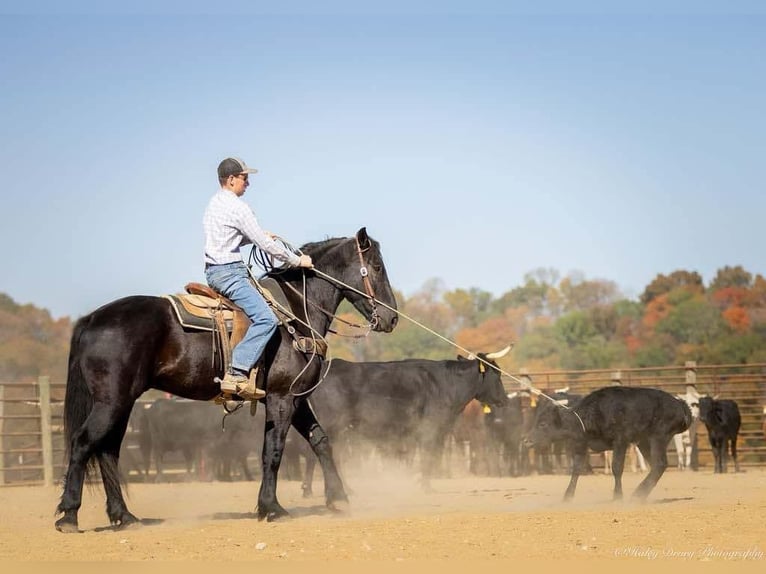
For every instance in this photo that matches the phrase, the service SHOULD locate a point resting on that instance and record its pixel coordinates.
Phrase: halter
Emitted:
(374, 319)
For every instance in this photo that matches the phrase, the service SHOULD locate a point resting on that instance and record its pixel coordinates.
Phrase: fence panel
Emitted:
(31, 415)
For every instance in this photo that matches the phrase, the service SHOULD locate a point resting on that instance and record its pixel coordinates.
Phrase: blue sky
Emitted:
(476, 144)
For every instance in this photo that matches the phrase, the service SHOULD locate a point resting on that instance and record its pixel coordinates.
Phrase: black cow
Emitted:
(612, 418)
(504, 426)
(412, 403)
(722, 420)
(551, 453)
(190, 427)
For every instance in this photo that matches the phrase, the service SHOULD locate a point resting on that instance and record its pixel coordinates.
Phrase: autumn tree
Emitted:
(663, 284)
(731, 277)
(32, 343)
(579, 293)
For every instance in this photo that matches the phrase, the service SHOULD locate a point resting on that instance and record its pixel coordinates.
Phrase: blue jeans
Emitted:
(232, 280)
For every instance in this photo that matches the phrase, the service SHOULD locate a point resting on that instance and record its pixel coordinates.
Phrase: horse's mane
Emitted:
(316, 250)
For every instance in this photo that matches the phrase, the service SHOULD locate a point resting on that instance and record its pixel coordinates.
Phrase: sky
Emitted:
(475, 141)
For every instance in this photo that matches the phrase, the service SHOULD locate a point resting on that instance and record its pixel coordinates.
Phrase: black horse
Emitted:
(134, 344)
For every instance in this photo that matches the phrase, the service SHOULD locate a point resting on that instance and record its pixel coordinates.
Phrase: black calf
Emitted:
(722, 420)
(611, 419)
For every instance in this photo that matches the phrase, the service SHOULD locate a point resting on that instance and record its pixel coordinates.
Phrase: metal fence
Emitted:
(31, 422)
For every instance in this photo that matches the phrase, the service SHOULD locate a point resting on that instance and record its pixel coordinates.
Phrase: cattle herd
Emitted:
(437, 417)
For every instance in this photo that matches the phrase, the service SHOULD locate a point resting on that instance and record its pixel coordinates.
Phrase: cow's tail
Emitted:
(78, 400)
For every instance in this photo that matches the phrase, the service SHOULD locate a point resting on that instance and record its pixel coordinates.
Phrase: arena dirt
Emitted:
(690, 516)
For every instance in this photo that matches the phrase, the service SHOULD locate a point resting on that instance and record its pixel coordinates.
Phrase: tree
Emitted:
(731, 277)
(538, 294)
(468, 306)
(32, 343)
(694, 321)
(492, 335)
(663, 284)
(579, 293)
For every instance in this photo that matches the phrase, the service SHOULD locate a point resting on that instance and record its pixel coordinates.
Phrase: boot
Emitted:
(249, 390)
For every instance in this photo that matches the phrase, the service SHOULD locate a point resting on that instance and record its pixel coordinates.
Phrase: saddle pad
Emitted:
(196, 311)
(272, 292)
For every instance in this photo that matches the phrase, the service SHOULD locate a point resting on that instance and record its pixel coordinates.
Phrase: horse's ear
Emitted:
(363, 238)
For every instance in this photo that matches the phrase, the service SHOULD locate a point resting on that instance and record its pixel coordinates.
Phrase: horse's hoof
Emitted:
(127, 521)
(339, 506)
(67, 526)
(275, 516)
(272, 515)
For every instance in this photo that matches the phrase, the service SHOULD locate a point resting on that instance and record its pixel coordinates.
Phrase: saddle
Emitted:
(201, 308)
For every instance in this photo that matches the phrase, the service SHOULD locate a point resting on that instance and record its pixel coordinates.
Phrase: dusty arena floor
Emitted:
(689, 517)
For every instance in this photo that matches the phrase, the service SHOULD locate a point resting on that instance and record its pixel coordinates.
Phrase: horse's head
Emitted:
(366, 272)
(359, 275)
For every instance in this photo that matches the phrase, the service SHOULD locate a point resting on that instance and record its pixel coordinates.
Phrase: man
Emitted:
(229, 224)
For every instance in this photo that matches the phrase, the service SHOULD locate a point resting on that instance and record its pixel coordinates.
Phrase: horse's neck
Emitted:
(320, 296)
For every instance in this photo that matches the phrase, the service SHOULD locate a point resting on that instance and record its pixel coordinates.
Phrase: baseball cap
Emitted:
(233, 166)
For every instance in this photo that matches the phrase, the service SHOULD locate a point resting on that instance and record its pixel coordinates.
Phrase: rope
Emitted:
(266, 262)
(522, 384)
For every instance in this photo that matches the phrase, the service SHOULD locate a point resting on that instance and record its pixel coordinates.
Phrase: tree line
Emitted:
(573, 323)
(555, 322)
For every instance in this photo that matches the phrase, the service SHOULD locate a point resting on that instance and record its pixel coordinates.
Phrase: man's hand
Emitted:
(305, 261)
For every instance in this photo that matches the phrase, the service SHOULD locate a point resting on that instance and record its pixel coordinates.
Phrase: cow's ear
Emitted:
(461, 358)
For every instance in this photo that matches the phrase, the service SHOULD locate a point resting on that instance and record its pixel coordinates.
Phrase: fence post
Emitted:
(44, 384)
(526, 382)
(616, 378)
(691, 379)
(2, 430)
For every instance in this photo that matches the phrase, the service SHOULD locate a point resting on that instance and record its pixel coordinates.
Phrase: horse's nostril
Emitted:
(394, 321)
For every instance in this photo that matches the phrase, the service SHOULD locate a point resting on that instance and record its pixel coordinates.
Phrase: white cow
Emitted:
(682, 441)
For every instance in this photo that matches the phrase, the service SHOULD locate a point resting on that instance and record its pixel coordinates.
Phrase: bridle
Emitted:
(374, 318)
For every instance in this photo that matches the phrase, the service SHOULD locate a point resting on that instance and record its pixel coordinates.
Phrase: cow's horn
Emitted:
(562, 402)
(499, 354)
(471, 356)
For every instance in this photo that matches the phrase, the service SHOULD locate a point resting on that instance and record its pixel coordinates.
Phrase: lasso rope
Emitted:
(266, 262)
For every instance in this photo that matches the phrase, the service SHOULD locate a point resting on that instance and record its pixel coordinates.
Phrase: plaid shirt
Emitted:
(229, 224)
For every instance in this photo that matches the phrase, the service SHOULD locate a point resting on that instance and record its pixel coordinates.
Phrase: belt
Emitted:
(209, 265)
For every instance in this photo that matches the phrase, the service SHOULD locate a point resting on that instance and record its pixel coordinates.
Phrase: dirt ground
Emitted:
(690, 516)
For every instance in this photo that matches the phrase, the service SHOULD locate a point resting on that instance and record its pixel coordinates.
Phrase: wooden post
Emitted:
(616, 378)
(526, 383)
(2, 430)
(44, 385)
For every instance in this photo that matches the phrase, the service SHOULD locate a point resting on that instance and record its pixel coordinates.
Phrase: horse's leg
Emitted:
(86, 442)
(279, 412)
(308, 476)
(108, 461)
(306, 424)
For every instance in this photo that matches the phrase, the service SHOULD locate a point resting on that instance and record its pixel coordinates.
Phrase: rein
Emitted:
(266, 262)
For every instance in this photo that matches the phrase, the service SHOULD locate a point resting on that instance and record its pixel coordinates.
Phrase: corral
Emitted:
(690, 515)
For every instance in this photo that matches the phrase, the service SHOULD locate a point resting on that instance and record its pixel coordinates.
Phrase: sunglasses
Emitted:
(243, 176)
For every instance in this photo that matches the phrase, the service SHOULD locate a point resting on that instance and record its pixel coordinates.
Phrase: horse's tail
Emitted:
(78, 400)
